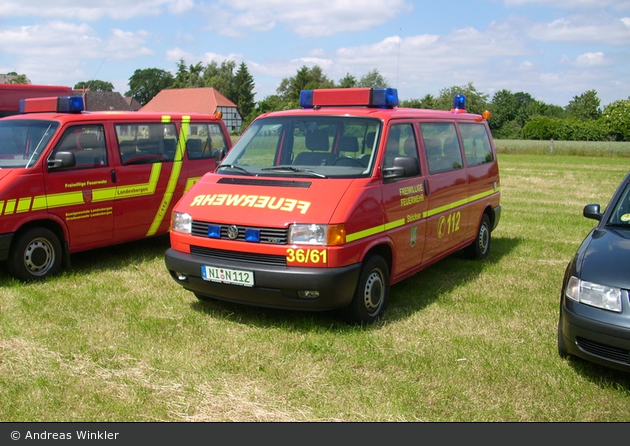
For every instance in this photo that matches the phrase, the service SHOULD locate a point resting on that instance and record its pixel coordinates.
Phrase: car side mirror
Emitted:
(404, 166)
(219, 154)
(62, 159)
(592, 211)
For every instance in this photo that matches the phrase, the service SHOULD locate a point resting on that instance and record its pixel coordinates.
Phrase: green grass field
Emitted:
(115, 339)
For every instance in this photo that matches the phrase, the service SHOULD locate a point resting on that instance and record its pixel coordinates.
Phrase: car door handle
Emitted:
(113, 174)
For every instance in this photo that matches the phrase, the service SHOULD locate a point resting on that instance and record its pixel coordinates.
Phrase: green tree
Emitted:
(243, 92)
(188, 77)
(222, 78)
(17, 78)
(476, 102)
(145, 84)
(503, 107)
(373, 79)
(94, 85)
(305, 79)
(348, 81)
(584, 107)
(616, 119)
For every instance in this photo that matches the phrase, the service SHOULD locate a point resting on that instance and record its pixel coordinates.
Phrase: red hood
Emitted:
(256, 201)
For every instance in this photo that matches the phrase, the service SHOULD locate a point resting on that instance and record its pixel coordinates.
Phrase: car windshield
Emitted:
(23, 141)
(323, 147)
(620, 216)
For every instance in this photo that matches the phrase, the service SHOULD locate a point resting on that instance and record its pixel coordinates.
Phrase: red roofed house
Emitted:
(196, 100)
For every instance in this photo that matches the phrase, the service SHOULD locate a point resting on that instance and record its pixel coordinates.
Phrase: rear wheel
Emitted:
(480, 248)
(35, 255)
(372, 293)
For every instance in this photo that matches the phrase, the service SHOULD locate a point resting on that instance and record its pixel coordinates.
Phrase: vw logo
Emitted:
(232, 232)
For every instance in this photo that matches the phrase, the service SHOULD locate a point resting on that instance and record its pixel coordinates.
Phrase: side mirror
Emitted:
(592, 211)
(219, 154)
(62, 159)
(404, 166)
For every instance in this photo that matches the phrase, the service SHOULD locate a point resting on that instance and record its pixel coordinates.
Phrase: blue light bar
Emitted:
(384, 97)
(252, 235)
(70, 104)
(459, 104)
(306, 98)
(349, 97)
(214, 231)
(52, 104)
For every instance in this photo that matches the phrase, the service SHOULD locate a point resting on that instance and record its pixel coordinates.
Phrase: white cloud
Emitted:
(592, 28)
(591, 60)
(306, 18)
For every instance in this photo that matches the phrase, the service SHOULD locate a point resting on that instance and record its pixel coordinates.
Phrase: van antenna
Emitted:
(398, 57)
(93, 77)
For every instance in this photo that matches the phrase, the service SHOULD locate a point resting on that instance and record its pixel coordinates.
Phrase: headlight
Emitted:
(594, 294)
(182, 222)
(308, 234)
(312, 234)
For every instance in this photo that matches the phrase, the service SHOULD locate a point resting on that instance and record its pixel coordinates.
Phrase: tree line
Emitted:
(514, 115)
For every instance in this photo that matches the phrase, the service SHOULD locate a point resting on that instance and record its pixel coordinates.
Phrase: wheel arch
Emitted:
(52, 225)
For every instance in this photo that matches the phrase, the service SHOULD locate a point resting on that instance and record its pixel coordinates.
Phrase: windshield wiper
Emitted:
(294, 169)
(237, 168)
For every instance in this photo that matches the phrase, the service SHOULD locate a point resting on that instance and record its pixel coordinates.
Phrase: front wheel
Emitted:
(35, 255)
(372, 293)
(480, 248)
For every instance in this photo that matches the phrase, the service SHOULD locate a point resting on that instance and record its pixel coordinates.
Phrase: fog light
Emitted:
(308, 294)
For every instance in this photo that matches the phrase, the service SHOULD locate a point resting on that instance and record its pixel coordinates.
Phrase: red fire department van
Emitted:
(72, 180)
(11, 94)
(325, 207)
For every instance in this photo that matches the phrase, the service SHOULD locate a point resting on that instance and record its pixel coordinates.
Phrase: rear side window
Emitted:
(441, 146)
(141, 143)
(203, 140)
(476, 144)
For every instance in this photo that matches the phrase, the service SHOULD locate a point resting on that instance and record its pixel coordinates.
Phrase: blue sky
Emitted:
(552, 49)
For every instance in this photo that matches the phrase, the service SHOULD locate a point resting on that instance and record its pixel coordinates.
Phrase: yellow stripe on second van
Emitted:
(172, 181)
(429, 213)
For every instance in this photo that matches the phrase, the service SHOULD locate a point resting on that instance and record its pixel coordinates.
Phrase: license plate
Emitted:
(226, 275)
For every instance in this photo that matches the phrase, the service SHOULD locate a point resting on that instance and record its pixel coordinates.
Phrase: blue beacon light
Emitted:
(459, 104)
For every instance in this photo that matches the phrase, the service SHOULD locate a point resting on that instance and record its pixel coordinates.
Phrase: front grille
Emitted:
(220, 254)
(604, 351)
(276, 236)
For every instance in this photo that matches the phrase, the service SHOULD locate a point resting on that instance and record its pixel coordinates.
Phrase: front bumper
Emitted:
(591, 334)
(275, 286)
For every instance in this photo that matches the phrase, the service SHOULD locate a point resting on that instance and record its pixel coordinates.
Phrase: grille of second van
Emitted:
(276, 236)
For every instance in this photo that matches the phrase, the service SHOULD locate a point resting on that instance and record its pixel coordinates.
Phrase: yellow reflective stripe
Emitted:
(24, 204)
(394, 224)
(76, 198)
(138, 190)
(190, 182)
(175, 172)
(39, 203)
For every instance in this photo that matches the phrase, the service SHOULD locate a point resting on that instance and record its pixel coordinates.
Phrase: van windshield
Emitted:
(321, 146)
(23, 141)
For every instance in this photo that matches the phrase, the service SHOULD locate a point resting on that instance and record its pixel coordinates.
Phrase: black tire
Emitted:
(480, 248)
(372, 293)
(35, 255)
(562, 349)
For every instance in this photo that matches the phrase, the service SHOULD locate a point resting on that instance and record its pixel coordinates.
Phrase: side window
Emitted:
(441, 146)
(400, 142)
(203, 140)
(476, 144)
(142, 143)
(87, 143)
